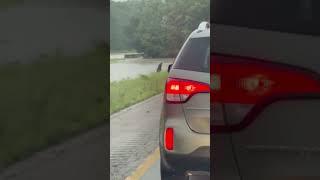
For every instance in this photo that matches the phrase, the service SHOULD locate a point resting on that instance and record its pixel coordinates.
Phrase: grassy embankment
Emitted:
(128, 92)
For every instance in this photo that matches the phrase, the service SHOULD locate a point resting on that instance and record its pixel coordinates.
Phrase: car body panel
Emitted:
(281, 141)
(185, 139)
(197, 109)
(289, 48)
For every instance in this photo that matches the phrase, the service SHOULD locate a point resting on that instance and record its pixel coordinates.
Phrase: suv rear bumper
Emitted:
(186, 141)
(191, 150)
(199, 160)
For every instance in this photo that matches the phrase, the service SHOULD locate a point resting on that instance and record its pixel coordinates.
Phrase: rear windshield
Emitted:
(293, 16)
(195, 55)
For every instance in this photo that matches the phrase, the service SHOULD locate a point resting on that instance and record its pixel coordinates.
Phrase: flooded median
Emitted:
(132, 68)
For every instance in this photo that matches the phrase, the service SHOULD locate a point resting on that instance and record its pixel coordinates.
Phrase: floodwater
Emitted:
(126, 69)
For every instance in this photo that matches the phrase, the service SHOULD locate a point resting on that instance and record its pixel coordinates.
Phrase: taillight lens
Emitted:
(169, 138)
(242, 84)
(179, 90)
(247, 81)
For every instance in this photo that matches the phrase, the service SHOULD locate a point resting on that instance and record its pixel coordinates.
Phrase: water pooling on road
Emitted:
(133, 68)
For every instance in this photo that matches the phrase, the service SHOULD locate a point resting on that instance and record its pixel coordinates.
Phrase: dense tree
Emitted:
(120, 15)
(156, 27)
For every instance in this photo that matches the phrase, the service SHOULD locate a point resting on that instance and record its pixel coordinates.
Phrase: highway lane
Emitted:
(153, 172)
(133, 137)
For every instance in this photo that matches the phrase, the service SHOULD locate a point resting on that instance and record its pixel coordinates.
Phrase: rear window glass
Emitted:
(294, 16)
(195, 55)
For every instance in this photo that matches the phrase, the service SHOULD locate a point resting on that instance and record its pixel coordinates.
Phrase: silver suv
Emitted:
(267, 92)
(185, 117)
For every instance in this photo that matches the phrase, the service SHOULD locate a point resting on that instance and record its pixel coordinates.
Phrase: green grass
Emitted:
(128, 92)
(46, 102)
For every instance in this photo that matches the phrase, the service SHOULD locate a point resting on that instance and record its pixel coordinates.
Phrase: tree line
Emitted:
(157, 28)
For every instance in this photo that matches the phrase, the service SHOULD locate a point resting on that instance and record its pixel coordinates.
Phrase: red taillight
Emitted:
(243, 87)
(179, 90)
(239, 80)
(169, 138)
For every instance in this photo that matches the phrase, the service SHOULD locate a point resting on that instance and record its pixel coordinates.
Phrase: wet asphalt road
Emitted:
(153, 172)
(133, 137)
